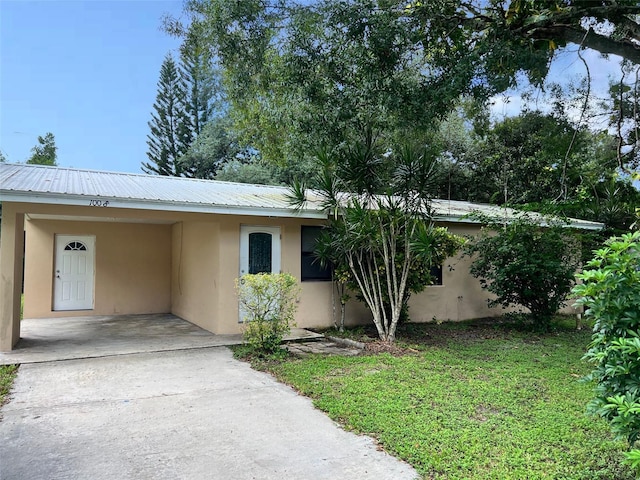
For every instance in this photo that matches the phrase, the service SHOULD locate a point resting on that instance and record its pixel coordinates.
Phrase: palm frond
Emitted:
(297, 195)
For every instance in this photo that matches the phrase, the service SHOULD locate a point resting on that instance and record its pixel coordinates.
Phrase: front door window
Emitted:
(260, 256)
(259, 249)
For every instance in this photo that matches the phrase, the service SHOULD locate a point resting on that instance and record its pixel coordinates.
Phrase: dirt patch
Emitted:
(419, 335)
(378, 346)
(462, 332)
(427, 334)
(483, 413)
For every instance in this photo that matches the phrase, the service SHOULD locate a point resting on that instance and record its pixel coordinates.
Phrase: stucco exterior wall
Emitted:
(187, 263)
(195, 283)
(314, 308)
(11, 254)
(132, 267)
(460, 296)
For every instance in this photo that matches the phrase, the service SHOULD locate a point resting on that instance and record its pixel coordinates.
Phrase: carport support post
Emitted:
(11, 255)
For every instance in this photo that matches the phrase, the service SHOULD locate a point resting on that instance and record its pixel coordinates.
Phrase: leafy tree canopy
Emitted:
(304, 75)
(215, 146)
(522, 35)
(624, 116)
(45, 152)
(535, 157)
(536, 161)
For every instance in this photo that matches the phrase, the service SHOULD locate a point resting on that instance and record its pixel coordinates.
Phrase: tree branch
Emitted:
(601, 43)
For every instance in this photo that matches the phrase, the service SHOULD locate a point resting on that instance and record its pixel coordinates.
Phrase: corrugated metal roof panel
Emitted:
(185, 194)
(96, 184)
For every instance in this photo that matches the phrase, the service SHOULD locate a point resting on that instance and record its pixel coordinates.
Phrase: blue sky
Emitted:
(85, 71)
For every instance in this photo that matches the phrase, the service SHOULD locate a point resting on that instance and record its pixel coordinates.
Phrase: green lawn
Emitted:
(7, 374)
(470, 401)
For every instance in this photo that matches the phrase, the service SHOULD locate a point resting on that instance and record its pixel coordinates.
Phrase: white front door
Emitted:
(259, 249)
(73, 273)
(259, 252)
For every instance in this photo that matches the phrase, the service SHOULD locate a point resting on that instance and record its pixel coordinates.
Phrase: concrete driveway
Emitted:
(182, 414)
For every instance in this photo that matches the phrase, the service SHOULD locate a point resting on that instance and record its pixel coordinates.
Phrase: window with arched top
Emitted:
(75, 246)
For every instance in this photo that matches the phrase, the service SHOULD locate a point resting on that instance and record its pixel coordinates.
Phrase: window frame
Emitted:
(305, 255)
(437, 275)
(75, 246)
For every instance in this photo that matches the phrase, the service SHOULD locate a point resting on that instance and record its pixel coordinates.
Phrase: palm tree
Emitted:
(380, 225)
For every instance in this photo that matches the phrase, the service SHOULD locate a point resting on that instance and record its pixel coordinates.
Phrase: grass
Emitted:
(470, 401)
(8, 372)
(7, 375)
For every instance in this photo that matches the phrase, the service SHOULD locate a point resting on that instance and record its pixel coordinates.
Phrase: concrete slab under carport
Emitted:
(67, 338)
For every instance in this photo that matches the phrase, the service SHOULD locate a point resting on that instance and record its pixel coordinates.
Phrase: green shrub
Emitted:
(611, 296)
(268, 304)
(525, 264)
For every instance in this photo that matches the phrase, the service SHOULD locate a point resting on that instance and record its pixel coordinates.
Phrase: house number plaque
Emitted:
(98, 203)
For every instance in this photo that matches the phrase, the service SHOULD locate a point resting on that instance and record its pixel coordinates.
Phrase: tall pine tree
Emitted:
(196, 68)
(171, 130)
(202, 98)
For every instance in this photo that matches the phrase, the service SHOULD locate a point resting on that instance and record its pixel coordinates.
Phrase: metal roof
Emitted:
(69, 186)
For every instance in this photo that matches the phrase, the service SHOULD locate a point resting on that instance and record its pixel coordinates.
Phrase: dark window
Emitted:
(311, 268)
(259, 253)
(75, 246)
(436, 275)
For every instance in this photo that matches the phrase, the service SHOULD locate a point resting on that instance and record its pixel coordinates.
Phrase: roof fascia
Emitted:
(582, 225)
(84, 201)
(114, 202)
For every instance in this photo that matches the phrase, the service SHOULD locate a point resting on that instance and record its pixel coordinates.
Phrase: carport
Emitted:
(101, 244)
(67, 338)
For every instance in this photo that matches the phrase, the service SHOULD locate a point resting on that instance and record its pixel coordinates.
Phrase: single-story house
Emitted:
(105, 243)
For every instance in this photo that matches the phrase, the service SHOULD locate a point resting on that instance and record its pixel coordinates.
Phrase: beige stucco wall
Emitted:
(210, 266)
(132, 267)
(460, 296)
(187, 263)
(194, 272)
(11, 254)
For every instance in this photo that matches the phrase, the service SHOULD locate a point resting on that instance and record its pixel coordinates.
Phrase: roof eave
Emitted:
(573, 223)
(156, 205)
(586, 225)
(170, 206)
